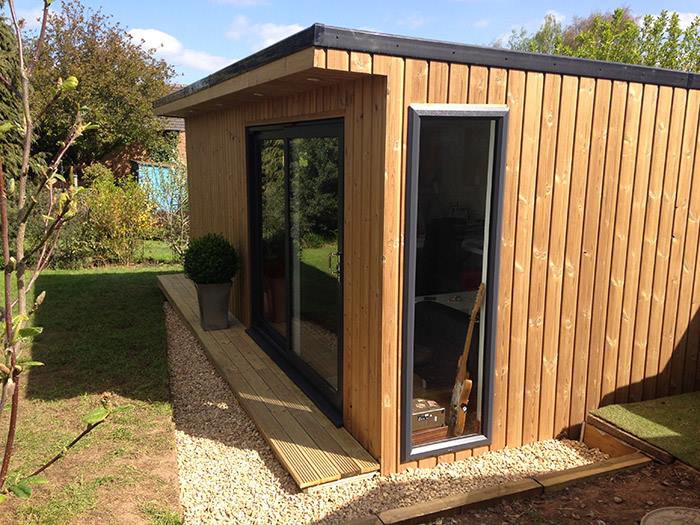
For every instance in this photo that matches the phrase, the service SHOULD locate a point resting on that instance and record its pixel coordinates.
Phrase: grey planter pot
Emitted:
(213, 305)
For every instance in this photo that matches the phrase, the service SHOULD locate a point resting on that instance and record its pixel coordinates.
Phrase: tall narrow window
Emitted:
(455, 166)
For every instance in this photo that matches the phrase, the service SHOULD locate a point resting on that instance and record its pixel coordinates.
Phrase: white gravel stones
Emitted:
(228, 474)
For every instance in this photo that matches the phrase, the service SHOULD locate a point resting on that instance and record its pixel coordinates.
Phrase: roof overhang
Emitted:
(291, 66)
(294, 73)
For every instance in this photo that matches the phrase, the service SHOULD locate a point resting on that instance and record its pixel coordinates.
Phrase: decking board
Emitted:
(309, 446)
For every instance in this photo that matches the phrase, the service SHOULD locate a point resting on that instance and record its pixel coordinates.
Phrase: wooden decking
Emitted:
(311, 448)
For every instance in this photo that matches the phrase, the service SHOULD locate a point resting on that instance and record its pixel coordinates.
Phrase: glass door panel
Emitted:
(315, 258)
(297, 241)
(273, 235)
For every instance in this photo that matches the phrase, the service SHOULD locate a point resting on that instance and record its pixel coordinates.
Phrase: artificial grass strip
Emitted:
(671, 423)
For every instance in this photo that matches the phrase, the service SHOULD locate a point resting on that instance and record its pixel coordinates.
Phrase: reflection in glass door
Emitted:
(315, 261)
(297, 241)
(273, 228)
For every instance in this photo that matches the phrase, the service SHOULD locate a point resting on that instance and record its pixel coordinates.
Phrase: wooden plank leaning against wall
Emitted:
(576, 294)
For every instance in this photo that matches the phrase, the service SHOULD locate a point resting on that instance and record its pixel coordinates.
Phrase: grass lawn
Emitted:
(671, 423)
(158, 252)
(103, 332)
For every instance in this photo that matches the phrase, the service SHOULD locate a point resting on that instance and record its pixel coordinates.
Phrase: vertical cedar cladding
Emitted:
(598, 300)
(598, 297)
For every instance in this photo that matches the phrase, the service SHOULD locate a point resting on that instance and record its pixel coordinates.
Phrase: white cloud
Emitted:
(481, 23)
(260, 35)
(31, 17)
(557, 16)
(685, 19)
(173, 51)
(412, 21)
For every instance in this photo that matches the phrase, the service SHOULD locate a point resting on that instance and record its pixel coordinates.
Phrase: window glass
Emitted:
(455, 168)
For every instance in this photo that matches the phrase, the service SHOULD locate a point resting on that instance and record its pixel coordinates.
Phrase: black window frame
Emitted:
(416, 112)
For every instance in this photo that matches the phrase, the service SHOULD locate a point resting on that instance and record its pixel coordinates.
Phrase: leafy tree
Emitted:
(656, 41)
(10, 106)
(313, 186)
(613, 37)
(548, 39)
(33, 187)
(119, 81)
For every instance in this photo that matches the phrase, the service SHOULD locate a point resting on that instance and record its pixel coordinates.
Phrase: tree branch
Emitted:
(24, 172)
(42, 35)
(54, 227)
(52, 169)
(5, 230)
(7, 384)
(11, 429)
(63, 452)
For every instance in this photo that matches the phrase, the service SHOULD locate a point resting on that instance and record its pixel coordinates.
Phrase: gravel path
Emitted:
(228, 474)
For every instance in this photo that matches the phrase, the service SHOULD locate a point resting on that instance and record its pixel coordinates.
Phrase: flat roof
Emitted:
(323, 36)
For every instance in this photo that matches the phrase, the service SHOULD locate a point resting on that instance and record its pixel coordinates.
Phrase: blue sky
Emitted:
(201, 36)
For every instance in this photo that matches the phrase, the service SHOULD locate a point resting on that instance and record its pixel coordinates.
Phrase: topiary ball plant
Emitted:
(211, 259)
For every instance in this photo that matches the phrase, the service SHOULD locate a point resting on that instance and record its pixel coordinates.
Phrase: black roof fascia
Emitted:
(320, 35)
(380, 43)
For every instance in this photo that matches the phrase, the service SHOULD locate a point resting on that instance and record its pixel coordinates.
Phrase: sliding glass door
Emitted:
(297, 239)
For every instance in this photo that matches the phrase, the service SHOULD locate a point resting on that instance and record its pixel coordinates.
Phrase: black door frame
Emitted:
(276, 346)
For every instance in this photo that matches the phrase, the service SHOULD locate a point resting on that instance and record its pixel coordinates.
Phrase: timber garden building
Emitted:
(418, 218)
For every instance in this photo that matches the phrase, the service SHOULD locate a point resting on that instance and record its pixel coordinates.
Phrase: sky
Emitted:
(199, 37)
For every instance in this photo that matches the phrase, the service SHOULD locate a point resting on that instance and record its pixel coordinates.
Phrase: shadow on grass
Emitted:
(103, 331)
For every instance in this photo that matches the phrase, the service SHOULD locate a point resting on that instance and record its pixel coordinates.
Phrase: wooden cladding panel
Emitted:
(600, 242)
(391, 68)
(599, 245)
(515, 99)
(522, 260)
(672, 350)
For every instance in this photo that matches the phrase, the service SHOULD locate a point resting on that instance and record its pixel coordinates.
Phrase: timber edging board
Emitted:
(631, 440)
(534, 486)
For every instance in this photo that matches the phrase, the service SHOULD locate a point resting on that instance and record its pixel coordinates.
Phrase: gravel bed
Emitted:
(228, 473)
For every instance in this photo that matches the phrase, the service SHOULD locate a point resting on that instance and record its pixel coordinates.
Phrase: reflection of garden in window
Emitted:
(300, 247)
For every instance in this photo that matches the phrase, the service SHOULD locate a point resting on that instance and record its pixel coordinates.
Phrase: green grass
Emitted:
(65, 505)
(670, 423)
(103, 332)
(160, 516)
(158, 252)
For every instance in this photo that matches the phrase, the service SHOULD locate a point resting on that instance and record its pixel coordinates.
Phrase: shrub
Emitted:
(94, 172)
(167, 189)
(211, 259)
(119, 216)
(112, 220)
